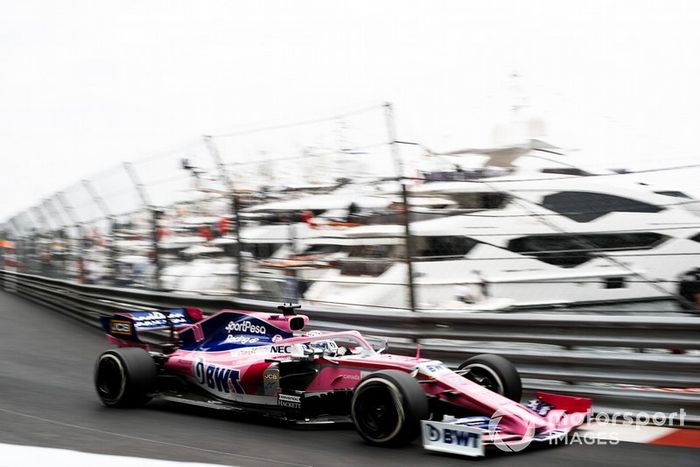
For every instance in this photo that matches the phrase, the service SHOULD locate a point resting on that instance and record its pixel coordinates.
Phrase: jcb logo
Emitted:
(120, 327)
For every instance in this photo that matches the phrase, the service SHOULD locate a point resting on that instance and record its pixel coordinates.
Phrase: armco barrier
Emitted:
(624, 362)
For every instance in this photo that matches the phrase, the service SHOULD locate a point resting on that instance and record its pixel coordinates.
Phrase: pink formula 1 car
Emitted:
(266, 363)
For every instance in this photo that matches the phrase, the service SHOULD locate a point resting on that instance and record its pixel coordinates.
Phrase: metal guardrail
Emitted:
(626, 362)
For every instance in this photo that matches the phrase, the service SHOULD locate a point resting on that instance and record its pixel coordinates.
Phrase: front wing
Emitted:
(469, 436)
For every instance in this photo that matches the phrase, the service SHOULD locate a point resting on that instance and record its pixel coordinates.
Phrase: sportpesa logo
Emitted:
(245, 326)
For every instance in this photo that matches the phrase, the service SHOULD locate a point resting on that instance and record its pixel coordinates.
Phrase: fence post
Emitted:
(42, 247)
(4, 237)
(17, 238)
(83, 272)
(68, 209)
(102, 206)
(156, 251)
(113, 250)
(393, 143)
(57, 235)
(235, 206)
(155, 217)
(409, 247)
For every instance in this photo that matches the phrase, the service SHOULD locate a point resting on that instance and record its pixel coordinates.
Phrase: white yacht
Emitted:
(553, 238)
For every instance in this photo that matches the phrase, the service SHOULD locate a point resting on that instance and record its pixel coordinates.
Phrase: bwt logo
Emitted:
(456, 437)
(221, 379)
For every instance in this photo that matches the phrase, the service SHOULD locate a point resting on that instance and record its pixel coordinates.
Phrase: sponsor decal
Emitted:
(261, 350)
(245, 326)
(432, 368)
(198, 332)
(288, 400)
(271, 382)
(120, 327)
(446, 437)
(233, 339)
(539, 407)
(244, 351)
(218, 378)
(156, 319)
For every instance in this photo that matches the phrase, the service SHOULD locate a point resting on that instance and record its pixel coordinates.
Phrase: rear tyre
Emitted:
(125, 377)
(387, 407)
(495, 373)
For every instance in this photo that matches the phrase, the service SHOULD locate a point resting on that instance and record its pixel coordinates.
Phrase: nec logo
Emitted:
(455, 437)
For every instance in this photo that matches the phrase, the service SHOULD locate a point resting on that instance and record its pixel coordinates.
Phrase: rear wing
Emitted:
(128, 325)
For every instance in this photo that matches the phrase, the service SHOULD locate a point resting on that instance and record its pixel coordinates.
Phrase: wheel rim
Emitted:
(376, 413)
(483, 376)
(111, 379)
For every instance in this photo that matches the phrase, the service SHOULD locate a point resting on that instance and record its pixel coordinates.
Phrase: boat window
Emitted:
(565, 171)
(364, 267)
(568, 250)
(370, 260)
(460, 174)
(695, 238)
(443, 247)
(583, 206)
(614, 283)
(675, 194)
(261, 250)
(324, 249)
(377, 251)
(487, 200)
(282, 217)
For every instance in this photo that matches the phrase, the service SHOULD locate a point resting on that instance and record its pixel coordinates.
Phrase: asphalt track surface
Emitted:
(47, 399)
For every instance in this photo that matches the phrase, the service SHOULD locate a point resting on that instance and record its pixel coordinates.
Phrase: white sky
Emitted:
(85, 84)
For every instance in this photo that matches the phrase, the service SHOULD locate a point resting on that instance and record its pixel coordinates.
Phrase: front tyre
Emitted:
(495, 373)
(387, 407)
(125, 377)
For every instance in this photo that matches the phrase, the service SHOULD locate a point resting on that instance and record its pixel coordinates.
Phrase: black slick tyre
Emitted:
(494, 373)
(125, 377)
(387, 407)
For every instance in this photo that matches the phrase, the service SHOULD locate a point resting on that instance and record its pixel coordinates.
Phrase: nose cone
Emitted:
(516, 419)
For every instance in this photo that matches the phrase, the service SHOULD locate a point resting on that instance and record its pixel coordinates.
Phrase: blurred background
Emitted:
(467, 155)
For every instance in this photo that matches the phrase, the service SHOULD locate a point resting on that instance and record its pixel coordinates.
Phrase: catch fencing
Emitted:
(625, 363)
(329, 212)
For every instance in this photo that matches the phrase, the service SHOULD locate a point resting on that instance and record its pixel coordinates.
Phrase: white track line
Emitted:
(627, 433)
(13, 455)
(149, 440)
